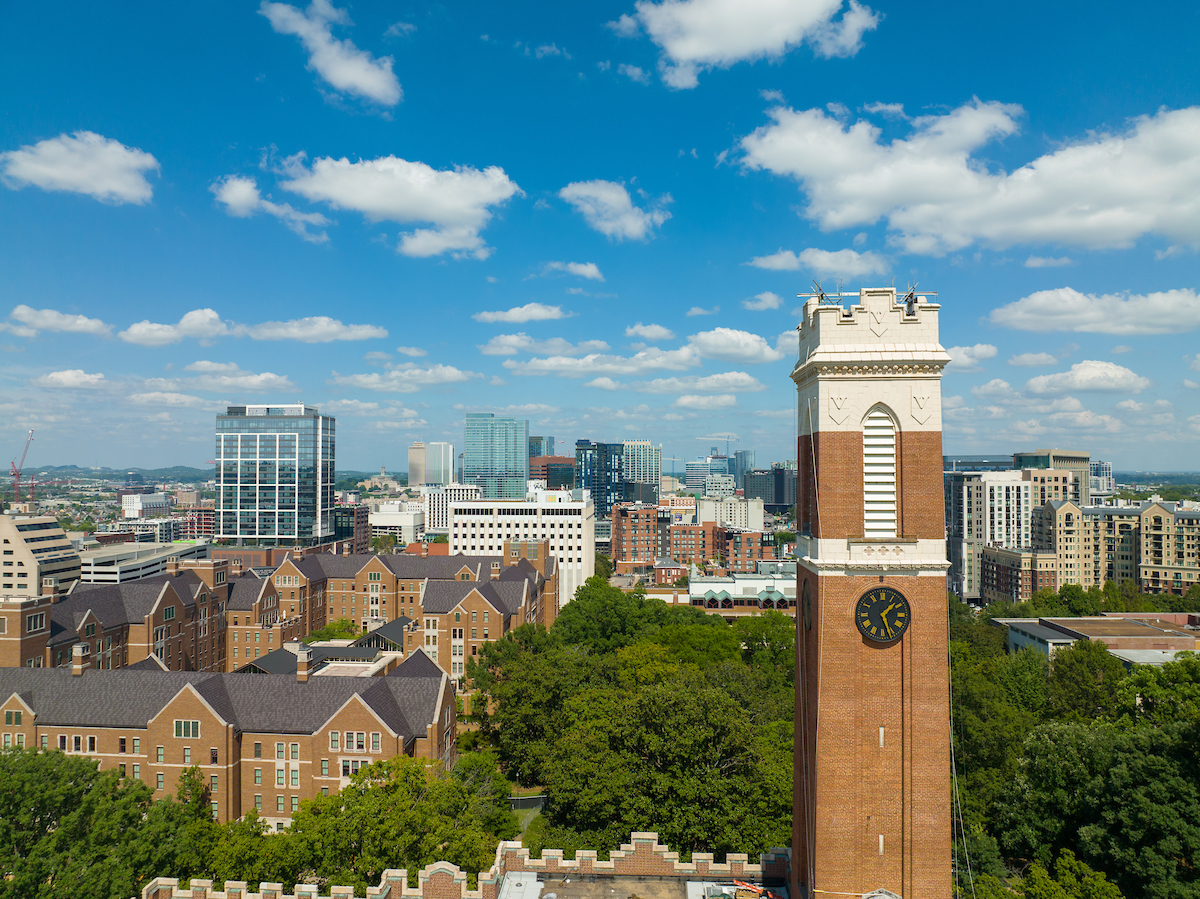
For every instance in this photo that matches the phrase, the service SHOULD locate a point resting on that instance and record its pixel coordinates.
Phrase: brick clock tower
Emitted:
(871, 797)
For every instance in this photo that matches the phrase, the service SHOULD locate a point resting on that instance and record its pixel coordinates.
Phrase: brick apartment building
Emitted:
(266, 741)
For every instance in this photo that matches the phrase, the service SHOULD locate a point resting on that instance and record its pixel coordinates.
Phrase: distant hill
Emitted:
(1156, 477)
(181, 473)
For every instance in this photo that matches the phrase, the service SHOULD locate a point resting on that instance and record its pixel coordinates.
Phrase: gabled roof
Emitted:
(111, 604)
(284, 661)
(404, 565)
(268, 703)
(393, 631)
(444, 596)
(244, 592)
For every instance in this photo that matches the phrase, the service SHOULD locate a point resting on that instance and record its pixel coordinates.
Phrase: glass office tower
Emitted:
(497, 455)
(275, 474)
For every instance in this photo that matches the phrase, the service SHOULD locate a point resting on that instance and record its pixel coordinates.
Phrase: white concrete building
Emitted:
(402, 520)
(34, 547)
(643, 463)
(437, 499)
(732, 512)
(145, 505)
(123, 562)
(719, 486)
(566, 518)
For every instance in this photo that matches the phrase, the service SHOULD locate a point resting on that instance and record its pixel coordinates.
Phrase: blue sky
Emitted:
(597, 217)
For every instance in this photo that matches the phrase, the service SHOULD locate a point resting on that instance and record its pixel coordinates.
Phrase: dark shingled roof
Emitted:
(283, 661)
(404, 565)
(421, 702)
(268, 703)
(393, 631)
(112, 604)
(244, 592)
(150, 663)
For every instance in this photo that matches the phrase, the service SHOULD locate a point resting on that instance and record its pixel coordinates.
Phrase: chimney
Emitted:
(236, 567)
(173, 565)
(50, 588)
(302, 664)
(424, 550)
(78, 662)
(346, 547)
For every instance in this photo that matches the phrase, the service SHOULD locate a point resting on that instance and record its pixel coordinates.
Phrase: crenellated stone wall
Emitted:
(643, 856)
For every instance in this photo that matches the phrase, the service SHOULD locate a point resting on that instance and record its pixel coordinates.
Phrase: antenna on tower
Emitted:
(911, 300)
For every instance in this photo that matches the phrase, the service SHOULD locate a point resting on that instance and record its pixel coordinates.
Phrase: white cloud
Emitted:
(412, 351)
(588, 270)
(400, 29)
(634, 73)
(645, 360)
(230, 381)
(343, 65)
(511, 344)
(72, 377)
(170, 398)
(1066, 309)
(733, 346)
(241, 198)
(847, 262)
(457, 202)
(1191, 385)
(969, 358)
(82, 163)
(406, 378)
(212, 367)
(36, 320)
(937, 196)
(359, 407)
(313, 329)
(1121, 348)
(695, 35)
(762, 302)
(725, 382)
(997, 387)
(551, 50)
(1030, 360)
(604, 384)
(607, 207)
(199, 323)
(530, 312)
(650, 332)
(700, 310)
(1091, 375)
(206, 324)
(1047, 261)
(706, 403)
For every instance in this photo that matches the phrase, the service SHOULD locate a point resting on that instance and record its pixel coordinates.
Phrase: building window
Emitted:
(91, 744)
(159, 754)
(295, 803)
(375, 742)
(278, 803)
(189, 730)
(279, 775)
(159, 781)
(324, 767)
(295, 750)
(212, 783)
(879, 476)
(187, 755)
(258, 775)
(258, 750)
(334, 740)
(13, 719)
(137, 772)
(279, 750)
(169, 613)
(295, 777)
(137, 746)
(258, 801)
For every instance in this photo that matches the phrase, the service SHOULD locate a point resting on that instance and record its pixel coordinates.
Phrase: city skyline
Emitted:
(596, 219)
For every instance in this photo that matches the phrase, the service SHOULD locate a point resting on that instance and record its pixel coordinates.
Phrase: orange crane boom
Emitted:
(16, 470)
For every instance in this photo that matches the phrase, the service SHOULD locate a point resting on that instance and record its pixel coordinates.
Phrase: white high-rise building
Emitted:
(437, 499)
(732, 512)
(566, 518)
(643, 462)
(416, 464)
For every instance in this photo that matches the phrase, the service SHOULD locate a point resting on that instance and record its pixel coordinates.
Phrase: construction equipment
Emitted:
(16, 470)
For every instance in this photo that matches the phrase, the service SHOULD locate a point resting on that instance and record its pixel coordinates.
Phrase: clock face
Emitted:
(882, 614)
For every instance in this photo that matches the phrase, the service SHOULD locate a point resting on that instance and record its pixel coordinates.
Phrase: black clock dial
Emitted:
(882, 614)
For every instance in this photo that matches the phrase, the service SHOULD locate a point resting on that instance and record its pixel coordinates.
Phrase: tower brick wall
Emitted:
(872, 744)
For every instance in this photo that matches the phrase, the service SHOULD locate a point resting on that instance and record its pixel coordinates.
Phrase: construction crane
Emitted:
(671, 459)
(16, 470)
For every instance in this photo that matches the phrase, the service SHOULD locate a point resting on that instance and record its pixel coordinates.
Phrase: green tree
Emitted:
(1084, 681)
(342, 629)
(604, 566)
(768, 641)
(384, 544)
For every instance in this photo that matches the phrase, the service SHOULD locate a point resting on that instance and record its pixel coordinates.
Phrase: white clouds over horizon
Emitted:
(608, 208)
(1105, 191)
(206, 324)
(1089, 375)
(405, 378)
(970, 358)
(511, 344)
(1066, 309)
(850, 263)
(588, 270)
(341, 64)
(457, 202)
(530, 312)
(241, 198)
(695, 35)
(83, 163)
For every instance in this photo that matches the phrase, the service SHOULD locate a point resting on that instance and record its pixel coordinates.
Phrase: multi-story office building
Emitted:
(145, 505)
(775, 486)
(600, 469)
(34, 548)
(403, 521)
(497, 455)
(1079, 464)
(640, 536)
(743, 461)
(557, 471)
(718, 486)
(992, 509)
(732, 512)
(541, 446)
(1103, 482)
(988, 462)
(439, 497)
(430, 463)
(352, 524)
(566, 520)
(643, 465)
(264, 742)
(275, 474)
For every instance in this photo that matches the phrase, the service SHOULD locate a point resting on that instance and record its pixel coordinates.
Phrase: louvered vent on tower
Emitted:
(879, 475)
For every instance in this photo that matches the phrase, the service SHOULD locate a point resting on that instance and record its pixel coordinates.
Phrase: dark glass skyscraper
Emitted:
(275, 474)
(497, 455)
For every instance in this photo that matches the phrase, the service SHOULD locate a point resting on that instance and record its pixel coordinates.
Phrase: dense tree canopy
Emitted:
(639, 715)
